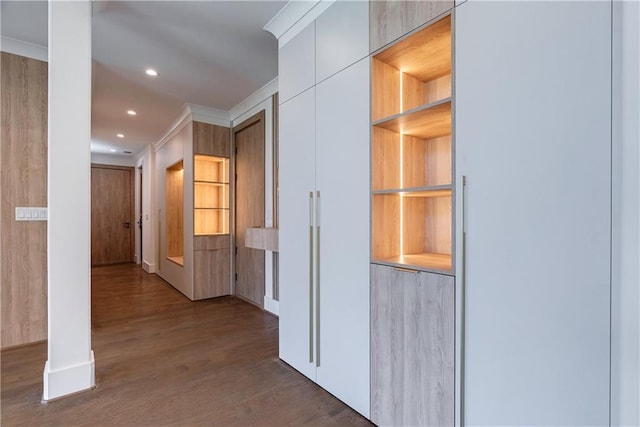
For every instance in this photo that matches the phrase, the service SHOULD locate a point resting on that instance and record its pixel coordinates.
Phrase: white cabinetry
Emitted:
(324, 220)
(342, 180)
(533, 138)
(296, 241)
(297, 64)
(342, 37)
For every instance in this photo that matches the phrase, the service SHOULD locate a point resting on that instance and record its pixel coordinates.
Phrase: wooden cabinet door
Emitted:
(296, 64)
(412, 347)
(391, 19)
(342, 37)
(342, 180)
(533, 137)
(297, 182)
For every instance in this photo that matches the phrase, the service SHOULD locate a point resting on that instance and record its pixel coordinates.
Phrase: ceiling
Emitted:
(209, 53)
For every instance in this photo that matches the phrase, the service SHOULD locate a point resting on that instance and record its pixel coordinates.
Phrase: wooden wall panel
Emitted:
(391, 19)
(211, 140)
(23, 175)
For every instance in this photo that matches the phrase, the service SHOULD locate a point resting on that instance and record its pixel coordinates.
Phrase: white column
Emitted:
(70, 365)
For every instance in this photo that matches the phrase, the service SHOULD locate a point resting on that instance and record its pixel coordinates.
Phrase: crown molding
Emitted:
(183, 119)
(294, 17)
(20, 48)
(212, 116)
(254, 99)
(193, 113)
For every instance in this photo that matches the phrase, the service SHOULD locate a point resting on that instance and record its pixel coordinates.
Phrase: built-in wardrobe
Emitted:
(193, 192)
(445, 184)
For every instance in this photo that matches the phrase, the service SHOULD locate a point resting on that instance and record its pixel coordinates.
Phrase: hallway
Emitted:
(163, 360)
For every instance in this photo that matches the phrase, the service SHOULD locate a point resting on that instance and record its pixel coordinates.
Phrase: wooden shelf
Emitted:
(211, 196)
(213, 183)
(429, 121)
(425, 55)
(434, 191)
(177, 259)
(428, 261)
(412, 151)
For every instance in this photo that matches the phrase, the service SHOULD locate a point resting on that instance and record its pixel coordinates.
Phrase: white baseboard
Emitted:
(69, 380)
(149, 268)
(135, 259)
(271, 305)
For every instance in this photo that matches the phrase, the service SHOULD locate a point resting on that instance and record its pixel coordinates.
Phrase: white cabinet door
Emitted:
(533, 137)
(297, 180)
(342, 178)
(297, 64)
(342, 37)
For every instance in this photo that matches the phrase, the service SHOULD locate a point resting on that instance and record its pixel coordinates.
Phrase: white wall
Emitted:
(169, 153)
(149, 227)
(625, 318)
(108, 159)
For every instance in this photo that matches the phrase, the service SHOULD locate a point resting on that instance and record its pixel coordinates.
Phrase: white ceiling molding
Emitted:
(212, 116)
(183, 119)
(294, 17)
(29, 50)
(254, 99)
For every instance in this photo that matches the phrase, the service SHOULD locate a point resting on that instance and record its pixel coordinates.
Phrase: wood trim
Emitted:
(103, 166)
(250, 121)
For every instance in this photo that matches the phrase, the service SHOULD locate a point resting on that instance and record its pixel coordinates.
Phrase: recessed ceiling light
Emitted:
(151, 72)
(120, 135)
(131, 112)
(113, 150)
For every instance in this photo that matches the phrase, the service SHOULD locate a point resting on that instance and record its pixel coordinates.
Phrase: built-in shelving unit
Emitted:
(412, 170)
(211, 195)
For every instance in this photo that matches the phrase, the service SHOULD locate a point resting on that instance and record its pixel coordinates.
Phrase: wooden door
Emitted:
(111, 214)
(249, 207)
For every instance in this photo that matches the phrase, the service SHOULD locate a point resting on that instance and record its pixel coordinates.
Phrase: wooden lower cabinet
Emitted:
(211, 266)
(412, 347)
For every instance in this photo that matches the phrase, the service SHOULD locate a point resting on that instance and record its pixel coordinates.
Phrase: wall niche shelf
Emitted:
(411, 151)
(211, 195)
(175, 213)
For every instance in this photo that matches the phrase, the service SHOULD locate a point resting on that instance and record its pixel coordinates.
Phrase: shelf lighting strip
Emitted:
(401, 168)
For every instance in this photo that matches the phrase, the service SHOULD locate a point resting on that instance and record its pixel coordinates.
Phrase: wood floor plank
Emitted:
(164, 360)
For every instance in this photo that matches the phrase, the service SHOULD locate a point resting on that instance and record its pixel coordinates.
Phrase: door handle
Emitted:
(126, 224)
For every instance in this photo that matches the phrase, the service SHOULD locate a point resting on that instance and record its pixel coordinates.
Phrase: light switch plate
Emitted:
(31, 214)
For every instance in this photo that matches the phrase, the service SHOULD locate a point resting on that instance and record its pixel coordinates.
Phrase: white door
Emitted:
(342, 180)
(533, 137)
(297, 182)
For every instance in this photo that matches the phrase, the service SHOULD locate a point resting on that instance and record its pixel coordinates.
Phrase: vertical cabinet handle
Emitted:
(310, 276)
(318, 279)
(463, 283)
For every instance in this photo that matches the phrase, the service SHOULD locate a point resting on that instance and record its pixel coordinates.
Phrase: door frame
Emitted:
(132, 186)
(255, 118)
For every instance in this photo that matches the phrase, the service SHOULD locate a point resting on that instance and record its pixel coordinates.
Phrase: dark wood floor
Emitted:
(163, 360)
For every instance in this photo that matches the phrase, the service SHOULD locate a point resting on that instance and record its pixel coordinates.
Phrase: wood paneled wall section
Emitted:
(211, 140)
(23, 176)
(391, 19)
